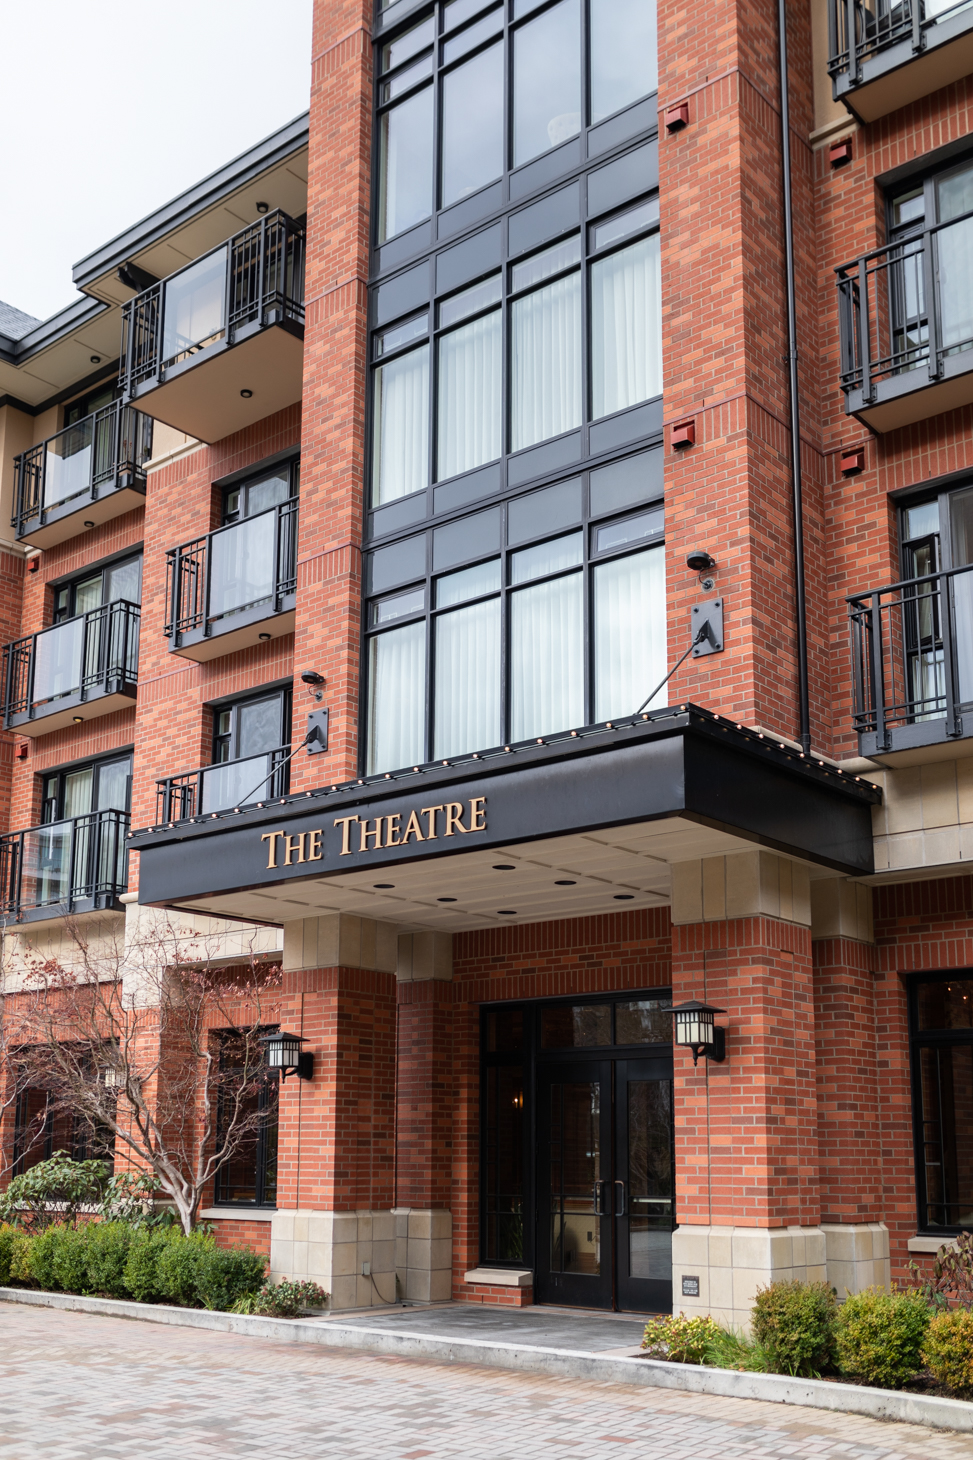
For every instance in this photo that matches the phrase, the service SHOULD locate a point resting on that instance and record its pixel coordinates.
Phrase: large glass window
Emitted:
(490, 644)
(251, 741)
(626, 327)
(470, 376)
(401, 429)
(942, 1083)
(442, 87)
(545, 381)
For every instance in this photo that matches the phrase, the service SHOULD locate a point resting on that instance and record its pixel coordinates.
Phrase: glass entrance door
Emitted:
(605, 1184)
(574, 1236)
(644, 1184)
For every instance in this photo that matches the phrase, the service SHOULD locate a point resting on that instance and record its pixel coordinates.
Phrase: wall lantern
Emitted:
(694, 1028)
(283, 1053)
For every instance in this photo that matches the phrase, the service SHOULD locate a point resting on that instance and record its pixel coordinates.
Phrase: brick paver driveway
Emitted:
(74, 1386)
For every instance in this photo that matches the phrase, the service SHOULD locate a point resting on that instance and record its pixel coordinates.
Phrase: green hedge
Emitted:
(117, 1260)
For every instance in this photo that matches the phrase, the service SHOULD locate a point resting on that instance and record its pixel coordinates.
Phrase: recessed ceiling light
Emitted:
(565, 882)
(504, 867)
(263, 207)
(246, 394)
(78, 719)
(381, 886)
(89, 524)
(624, 896)
(96, 359)
(507, 912)
(445, 899)
(263, 636)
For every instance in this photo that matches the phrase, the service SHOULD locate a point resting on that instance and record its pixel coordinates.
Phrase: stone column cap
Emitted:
(501, 1277)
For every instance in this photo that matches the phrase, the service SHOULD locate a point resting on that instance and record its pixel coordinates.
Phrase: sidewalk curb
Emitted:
(943, 1414)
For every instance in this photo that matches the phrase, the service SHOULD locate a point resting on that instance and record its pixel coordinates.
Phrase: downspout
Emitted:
(800, 601)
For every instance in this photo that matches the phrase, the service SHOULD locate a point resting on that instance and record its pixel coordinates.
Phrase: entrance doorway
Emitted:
(578, 1147)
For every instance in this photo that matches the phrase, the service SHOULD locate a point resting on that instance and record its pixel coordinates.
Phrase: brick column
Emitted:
(424, 1112)
(849, 1120)
(747, 1198)
(335, 1160)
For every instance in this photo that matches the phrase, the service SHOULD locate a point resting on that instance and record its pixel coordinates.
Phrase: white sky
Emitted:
(108, 108)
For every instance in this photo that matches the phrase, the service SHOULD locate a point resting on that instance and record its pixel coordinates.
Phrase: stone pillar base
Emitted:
(423, 1254)
(330, 1248)
(730, 1264)
(857, 1256)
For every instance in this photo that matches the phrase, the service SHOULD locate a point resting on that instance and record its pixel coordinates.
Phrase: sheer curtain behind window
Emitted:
(546, 658)
(468, 679)
(396, 696)
(954, 247)
(630, 633)
(626, 327)
(469, 396)
(401, 431)
(961, 587)
(546, 384)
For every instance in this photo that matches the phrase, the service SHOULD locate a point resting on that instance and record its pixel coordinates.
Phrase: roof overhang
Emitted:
(610, 807)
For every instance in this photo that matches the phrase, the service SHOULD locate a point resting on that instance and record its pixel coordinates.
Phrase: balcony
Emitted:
(220, 345)
(912, 654)
(96, 466)
(223, 787)
(80, 669)
(235, 586)
(902, 360)
(887, 53)
(65, 867)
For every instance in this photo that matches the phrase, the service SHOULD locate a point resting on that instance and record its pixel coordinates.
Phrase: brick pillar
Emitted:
(849, 1120)
(747, 1198)
(335, 1159)
(424, 1111)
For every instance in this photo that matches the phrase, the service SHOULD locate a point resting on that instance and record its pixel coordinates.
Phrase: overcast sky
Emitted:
(108, 108)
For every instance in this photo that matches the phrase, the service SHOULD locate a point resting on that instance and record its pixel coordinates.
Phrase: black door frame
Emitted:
(523, 1053)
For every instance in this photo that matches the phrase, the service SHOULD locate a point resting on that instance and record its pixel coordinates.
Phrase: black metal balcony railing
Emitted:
(246, 568)
(912, 655)
(907, 310)
(859, 31)
(223, 786)
(105, 450)
(254, 279)
(75, 865)
(95, 653)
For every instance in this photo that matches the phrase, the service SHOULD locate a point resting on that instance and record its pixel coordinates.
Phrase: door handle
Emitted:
(621, 1209)
(598, 1197)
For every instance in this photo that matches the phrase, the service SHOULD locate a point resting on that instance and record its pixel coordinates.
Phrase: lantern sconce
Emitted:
(283, 1053)
(694, 1029)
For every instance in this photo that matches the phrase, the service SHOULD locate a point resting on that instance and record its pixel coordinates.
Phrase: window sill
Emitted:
(238, 1213)
(929, 1244)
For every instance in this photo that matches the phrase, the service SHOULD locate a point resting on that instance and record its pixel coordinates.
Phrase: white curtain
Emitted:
(469, 396)
(241, 565)
(401, 440)
(546, 658)
(630, 633)
(57, 661)
(626, 327)
(546, 388)
(468, 679)
(396, 698)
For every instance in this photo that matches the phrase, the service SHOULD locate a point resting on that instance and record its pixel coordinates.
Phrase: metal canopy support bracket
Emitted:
(317, 732)
(707, 626)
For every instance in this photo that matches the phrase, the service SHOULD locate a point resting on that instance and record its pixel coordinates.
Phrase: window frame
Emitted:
(95, 764)
(238, 702)
(929, 1039)
(591, 559)
(270, 1082)
(291, 465)
(70, 585)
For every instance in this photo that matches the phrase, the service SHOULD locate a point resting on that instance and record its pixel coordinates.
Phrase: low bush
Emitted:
(282, 1300)
(107, 1245)
(53, 1191)
(879, 1335)
(43, 1250)
(178, 1269)
(142, 1264)
(69, 1258)
(795, 1323)
(7, 1234)
(948, 1350)
(682, 1340)
(224, 1275)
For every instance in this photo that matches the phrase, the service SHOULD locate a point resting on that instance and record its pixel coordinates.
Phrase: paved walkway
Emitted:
(75, 1386)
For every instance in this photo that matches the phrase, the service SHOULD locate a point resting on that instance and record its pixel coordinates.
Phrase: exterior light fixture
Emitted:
(283, 1052)
(96, 359)
(694, 1029)
(700, 562)
(78, 719)
(113, 1078)
(263, 207)
(89, 524)
(246, 394)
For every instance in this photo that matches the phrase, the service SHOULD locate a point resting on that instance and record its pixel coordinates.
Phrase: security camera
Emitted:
(699, 560)
(311, 676)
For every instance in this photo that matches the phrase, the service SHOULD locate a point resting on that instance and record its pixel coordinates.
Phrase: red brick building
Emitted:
(464, 409)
